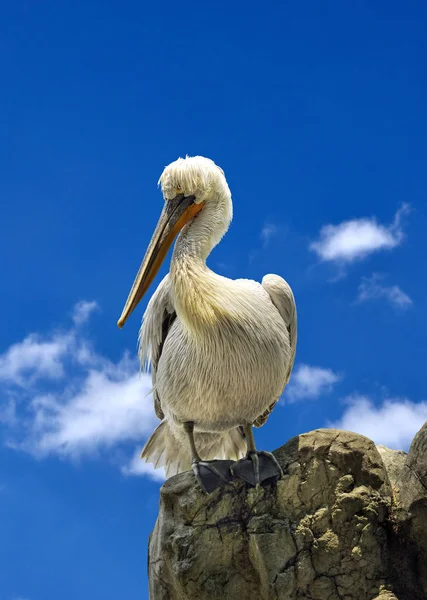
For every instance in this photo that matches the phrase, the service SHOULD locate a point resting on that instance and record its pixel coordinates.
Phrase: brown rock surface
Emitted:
(408, 540)
(335, 527)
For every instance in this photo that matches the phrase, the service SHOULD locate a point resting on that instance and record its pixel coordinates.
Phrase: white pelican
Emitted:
(221, 350)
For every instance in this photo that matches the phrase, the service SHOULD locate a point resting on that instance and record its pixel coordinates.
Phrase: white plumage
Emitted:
(221, 350)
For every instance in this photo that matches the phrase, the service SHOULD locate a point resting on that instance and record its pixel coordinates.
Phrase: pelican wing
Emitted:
(283, 299)
(157, 321)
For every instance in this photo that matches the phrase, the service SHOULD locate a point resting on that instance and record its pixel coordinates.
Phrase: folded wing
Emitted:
(283, 299)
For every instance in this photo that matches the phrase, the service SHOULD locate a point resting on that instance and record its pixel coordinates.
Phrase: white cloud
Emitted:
(310, 382)
(370, 288)
(355, 239)
(109, 407)
(83, 310)
(35, 358)
(63, 398)
(393, 423)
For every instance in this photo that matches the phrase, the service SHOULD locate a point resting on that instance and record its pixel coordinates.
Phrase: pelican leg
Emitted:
(257, 466)
(210, 474)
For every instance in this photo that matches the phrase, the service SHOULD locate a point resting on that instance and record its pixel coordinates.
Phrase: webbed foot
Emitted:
(212, 474)
(257, 467)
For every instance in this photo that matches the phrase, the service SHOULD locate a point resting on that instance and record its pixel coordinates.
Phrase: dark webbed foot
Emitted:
(212, 474)
(257, 467)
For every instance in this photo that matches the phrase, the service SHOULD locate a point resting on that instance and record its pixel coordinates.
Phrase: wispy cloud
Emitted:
(64, 398)
(371, 288)
(108, 408)
(393, 423)
(310, 382)
(83, 310)
(356, 239)
(268, 231)
(35, 358)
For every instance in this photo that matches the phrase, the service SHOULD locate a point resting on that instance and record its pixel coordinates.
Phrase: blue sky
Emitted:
(316, 113)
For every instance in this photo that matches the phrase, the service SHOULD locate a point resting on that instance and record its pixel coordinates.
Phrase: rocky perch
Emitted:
(348, 521)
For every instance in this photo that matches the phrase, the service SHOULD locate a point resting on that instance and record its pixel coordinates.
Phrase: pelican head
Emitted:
(194, 176)
(189, 185)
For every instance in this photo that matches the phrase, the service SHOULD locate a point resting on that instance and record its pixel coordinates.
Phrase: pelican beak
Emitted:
(176, 213)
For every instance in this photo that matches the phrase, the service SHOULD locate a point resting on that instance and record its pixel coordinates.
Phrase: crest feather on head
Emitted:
(192, 176)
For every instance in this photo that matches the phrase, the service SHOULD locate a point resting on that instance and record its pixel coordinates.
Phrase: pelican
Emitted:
(220, 350)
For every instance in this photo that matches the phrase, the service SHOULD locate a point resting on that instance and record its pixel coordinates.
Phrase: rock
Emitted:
(413, 478)
(409, 518)
(393, 461)
(333, 528)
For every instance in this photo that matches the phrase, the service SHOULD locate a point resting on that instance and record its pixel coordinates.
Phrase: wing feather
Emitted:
(283, 299)
(156, 323)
